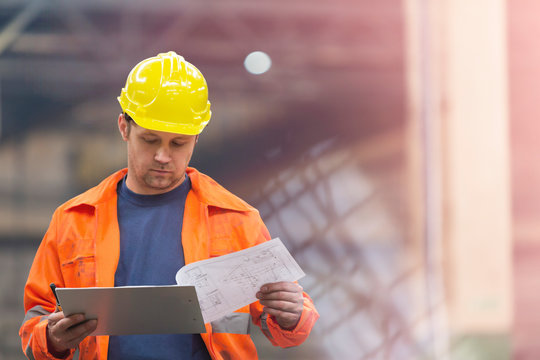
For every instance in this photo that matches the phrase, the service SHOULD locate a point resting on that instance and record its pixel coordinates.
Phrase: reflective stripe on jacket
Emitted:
(82, 246)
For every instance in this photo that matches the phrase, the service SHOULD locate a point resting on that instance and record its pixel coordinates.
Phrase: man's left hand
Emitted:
(283, 300)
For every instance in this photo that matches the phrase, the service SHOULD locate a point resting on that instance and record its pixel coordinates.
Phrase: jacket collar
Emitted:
(206, 189)
(211, 193)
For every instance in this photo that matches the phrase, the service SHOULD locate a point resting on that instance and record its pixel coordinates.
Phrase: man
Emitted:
(141, 224)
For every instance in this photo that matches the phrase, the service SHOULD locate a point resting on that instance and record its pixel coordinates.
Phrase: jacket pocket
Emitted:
(220, 245)
(80, 272)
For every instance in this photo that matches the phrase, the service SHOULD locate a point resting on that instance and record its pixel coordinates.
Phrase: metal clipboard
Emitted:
(132, 310)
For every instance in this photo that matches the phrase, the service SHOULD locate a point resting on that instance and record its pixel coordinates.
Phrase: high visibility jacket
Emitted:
(82, 246)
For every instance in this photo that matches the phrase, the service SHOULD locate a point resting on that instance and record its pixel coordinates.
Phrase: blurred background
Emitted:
(392, 145)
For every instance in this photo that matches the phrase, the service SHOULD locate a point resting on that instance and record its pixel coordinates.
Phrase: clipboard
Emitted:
(136, 310)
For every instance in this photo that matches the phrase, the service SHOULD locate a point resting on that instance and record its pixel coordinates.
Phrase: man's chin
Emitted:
(162, 184)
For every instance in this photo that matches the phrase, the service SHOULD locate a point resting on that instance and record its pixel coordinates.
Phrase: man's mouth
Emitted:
(162, 172)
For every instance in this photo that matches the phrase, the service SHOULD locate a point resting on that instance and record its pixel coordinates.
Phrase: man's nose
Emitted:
(162, 155)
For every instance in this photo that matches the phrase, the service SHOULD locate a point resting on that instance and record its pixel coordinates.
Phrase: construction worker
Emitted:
(141, 224)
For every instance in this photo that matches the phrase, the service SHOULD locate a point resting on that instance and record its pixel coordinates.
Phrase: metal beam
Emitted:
(19, 23)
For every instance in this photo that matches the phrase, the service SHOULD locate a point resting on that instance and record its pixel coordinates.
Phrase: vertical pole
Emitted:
(424, 149)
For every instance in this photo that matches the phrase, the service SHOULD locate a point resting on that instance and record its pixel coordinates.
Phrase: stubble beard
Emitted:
(161, 183)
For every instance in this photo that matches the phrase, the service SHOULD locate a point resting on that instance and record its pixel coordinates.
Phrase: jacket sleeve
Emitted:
(39, 301)
(281, 337)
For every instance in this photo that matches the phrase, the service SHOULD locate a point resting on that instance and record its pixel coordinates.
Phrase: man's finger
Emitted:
(281, 295)
(281, 286)
(77, 333)
(55, 317)
(284, 306)
(64, 324)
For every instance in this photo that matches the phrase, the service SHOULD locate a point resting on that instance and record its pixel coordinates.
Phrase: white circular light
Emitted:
(257, 62)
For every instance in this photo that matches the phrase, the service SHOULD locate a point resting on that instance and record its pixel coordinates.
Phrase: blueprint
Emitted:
(226, 283)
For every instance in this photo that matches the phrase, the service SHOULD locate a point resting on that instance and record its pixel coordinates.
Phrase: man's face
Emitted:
(157, 160)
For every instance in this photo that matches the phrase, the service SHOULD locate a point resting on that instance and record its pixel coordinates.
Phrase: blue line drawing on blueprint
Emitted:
(254, 271)
(229, 282)
(210, 298)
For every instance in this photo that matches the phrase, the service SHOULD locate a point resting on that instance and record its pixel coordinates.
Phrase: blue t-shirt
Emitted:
(150, 254)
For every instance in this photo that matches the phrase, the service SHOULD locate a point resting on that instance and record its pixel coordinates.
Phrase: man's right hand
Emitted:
(64, 333)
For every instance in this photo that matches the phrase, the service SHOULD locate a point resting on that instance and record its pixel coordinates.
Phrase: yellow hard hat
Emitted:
(167, 93)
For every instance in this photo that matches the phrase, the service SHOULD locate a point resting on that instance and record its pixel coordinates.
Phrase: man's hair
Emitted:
(128, 120)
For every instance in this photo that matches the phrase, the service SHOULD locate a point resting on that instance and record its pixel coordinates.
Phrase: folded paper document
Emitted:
(226, 283)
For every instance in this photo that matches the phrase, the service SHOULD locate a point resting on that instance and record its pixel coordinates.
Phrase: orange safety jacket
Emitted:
(82, 246)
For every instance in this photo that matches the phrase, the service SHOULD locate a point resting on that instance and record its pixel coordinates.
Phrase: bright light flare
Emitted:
(257, 63)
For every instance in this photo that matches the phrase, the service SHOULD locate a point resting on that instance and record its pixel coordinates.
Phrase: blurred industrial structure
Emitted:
(378, 147)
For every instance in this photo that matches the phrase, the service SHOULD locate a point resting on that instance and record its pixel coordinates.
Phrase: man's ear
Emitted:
(197, 138)
(123, 126)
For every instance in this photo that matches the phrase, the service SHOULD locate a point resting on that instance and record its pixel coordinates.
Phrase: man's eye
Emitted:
(178, 143)
(149, 141)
